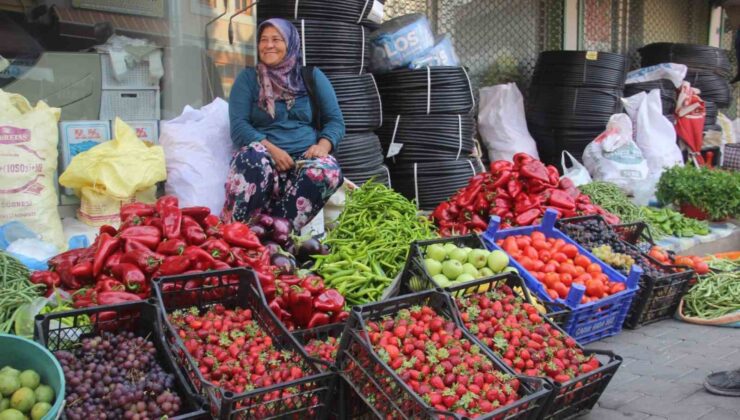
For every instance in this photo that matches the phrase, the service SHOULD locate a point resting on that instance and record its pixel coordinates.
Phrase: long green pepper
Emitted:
(370, 244)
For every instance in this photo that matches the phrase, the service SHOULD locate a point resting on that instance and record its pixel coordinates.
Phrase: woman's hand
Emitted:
(282, 159)
(319, 150)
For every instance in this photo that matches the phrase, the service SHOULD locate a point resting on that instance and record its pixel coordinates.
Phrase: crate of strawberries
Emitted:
(234, 350)
(556, 269)
(502, 320)
(661, 286)
(408, 357)
(116, 365)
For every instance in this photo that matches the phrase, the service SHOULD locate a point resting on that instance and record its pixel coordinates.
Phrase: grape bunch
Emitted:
(592, 234)
(117, 377)
(619, 261)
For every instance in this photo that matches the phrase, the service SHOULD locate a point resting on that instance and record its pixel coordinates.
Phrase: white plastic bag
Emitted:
(614, 157)
(502, 123)
(671, 71)
(198, 148)
(653, 133)
(576, 172)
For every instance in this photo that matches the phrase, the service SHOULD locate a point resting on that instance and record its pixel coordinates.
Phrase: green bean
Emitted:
(370, 244)
(715, 295)
(16, 289)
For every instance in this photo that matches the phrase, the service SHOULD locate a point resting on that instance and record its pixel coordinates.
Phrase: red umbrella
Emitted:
(690, 115)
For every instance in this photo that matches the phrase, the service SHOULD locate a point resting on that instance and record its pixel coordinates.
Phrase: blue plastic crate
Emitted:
(590, 321)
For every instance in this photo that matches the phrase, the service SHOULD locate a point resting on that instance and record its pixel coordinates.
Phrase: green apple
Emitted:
(441, 280)
(478, 257)
(436, 252)
(510, 270)
(464, 277)
(497, 261)
(470, 269)
(433, 266)
(449, 247)
(459, 254)
(486, 272)
(452, 269)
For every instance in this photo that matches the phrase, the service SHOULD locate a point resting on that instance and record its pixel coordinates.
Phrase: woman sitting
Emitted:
(283, 166)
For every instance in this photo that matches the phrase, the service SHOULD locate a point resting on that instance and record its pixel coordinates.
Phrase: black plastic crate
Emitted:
(658, 296)
(140, 317)
(415, 278)
(572, 398)
(307, 397)
(389, 396)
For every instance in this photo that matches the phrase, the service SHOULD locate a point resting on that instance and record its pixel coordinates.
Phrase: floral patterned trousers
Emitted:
(255, 186)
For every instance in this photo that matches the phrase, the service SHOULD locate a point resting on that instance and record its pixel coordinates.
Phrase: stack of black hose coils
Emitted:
(668, 94)
(334, 38)
(572, 96)
(427, 132)
(709, 70)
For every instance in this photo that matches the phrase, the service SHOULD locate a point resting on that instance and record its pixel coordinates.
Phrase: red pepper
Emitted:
(194, 235)
(329, 301)
(220, 265)
(502, 193)
(166, 201)
(198, 213)
(108, 284)
(318, 319)
(521, 159)
(500, 211)
(562, 199)
(524, 202)
(132, 210)
(478, 224)
(567, 185)
(132, 245)
(147, 235)
(171, 221)
(110, 230)
(481, 204)
(313, 284)
(112, 298)
(528, 217)
(107, 245)
(174, 265)
(84, 298)
(513, 187)
(276, 309)
(199, 258)
(146, 260)
(553, 175)
(468, 194)
(339, 317)
(238, 234)
(290, 279)
(212, 225)
(218, 249)
(71, 256)
(111, 261)
(502, 179)
(131, 276)
(500, 166)
(441, 212)
(69, 281)
(172, 247)
(300, 304)
(155, 222)
(48, 279)
(535, 170)
(82, 270)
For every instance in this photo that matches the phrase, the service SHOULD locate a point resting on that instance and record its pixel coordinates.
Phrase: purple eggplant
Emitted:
(309, 247)
(272, 247)
(258, 230)
(285, 263)
(265, 221)
(282, 226)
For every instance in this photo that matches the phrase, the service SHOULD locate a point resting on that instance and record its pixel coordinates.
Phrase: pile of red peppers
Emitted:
(518, 192)
(163, 239)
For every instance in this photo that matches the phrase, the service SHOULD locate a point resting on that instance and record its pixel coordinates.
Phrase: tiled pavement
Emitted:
(663, 370)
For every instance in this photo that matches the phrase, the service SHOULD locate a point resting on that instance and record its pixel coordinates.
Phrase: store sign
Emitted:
(152, 8)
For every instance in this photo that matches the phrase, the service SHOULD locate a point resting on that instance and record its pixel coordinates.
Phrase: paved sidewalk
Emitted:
(663, 370)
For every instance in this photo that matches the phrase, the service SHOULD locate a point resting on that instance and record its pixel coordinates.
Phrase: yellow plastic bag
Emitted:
(28, 164)
(112, 173)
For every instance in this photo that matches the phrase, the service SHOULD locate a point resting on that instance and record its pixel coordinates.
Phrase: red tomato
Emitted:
(582, 279)
(523, 241)
(560, 257)
(538, 236)
(580, 270)
(545, 254)
(538, 265)
(510, 245)
(539, 276)
(595, 288)
(559, 243)
(561, 289)
(549, 268)
(553, 294)
(582, 261)
(566, 279)
(540, 245)
(567, 268)
(594, 268)
(551, 279)
(531, 252)
(570, 250)
(616, 287)
(527, 263)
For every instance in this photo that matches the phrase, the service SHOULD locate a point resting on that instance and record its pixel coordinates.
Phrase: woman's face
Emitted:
(272, 47)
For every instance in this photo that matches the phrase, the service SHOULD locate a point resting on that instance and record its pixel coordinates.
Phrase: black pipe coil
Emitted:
(427, 138)
(581, 69)
(668, 92)
(409, 91)
(359, 101)
(713, 87)
(334, 47)
(434, 182)
(379, 175)
(359, 151)
(694, 56)
(349, 11)
(711, 111)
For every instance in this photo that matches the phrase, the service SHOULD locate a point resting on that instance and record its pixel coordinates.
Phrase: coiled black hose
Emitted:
(668, 92)
(581, 69)
(713, 87)
(428, 138)
(431, 90)
(349, 11)
(431, 183)
(694, 56)
(359, 101)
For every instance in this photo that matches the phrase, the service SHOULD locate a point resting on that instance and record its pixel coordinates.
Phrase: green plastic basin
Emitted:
(25, 354)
